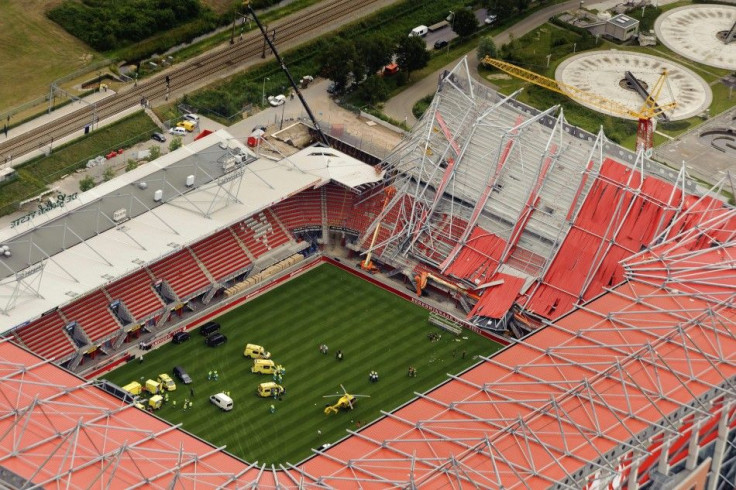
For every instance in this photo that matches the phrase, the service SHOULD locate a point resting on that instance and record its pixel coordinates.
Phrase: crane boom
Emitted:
(649, 110)
(367, 265)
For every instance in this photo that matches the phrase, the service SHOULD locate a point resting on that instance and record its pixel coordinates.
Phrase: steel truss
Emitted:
(584, 398)
(477, 160)
(55, 423)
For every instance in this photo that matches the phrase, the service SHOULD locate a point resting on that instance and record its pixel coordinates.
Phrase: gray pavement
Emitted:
(399, 107)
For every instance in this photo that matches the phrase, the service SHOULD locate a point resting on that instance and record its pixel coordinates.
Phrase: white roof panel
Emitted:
(184, 218)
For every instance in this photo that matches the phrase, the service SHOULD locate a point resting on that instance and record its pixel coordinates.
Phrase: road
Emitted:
(399, 107)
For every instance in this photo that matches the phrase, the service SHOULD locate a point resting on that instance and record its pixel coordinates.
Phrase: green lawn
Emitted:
(375, 330)
(35, 51)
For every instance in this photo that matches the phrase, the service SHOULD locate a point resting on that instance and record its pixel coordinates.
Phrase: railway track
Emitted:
(210, 65)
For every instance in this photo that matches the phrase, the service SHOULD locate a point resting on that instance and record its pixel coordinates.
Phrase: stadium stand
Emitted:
(621, 214)
(261, 233)
(303, 211)
(137, 293)
(221, 254)
(46, 336)
(182, 272)
(365, 210)
(443, 238)
(339, 204)
(93, 314)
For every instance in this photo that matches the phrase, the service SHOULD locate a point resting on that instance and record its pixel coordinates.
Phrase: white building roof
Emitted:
(333, 165)
(185, 215)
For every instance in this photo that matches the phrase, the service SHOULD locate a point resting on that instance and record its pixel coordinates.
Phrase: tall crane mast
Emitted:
(250, 10)
(648, 111)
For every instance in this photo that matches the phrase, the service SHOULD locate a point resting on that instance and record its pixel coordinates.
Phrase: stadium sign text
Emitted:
(29, 271)
(60, 202)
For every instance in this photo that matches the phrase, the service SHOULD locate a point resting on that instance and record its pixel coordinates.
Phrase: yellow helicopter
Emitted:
(345, 401)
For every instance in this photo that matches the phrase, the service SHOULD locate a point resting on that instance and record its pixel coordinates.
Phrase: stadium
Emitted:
(608, 277)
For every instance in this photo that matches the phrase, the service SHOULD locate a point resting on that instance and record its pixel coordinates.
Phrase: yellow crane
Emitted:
(367, 264)
(645, 114)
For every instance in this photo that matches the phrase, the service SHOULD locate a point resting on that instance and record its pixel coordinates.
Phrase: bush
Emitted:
(131, 165)
(86, 183)
(175, 143)
(486, 47)
(155, 152)
(108, 174)
(421, 106)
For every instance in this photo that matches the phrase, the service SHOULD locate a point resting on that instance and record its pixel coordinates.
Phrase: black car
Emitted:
(182, 375)
(158, 137)
(440, 43)
(215, 339)
(208, 328)
(180, 337)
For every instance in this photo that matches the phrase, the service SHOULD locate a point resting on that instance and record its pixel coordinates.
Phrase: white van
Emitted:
(223, 401)
(419, 31)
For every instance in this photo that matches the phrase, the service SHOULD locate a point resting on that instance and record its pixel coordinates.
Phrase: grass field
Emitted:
(375, 330)
(34, 51)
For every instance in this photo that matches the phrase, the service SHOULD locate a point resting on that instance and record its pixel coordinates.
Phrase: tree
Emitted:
(339, 62)
(376, 52)
(86, 183)
(175, 143)
(465, 23)
(504, 9)
(486, 47)
(374, 90)
(108, 174)
(412, 54)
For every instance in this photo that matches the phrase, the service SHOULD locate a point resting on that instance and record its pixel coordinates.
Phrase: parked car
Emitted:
(391, 69)
(165, 380)
(276, 100)
(180, 337)
(178, 131)
(419, 31)
(191, 117)
(440, 43)
(209, 328)
(188, 125)
(223, 401)
(215, 339)
(490, 19)
(255, 351)
(182, 375)
(158, 137)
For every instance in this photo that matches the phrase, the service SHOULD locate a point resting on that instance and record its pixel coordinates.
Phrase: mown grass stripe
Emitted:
(375, 329)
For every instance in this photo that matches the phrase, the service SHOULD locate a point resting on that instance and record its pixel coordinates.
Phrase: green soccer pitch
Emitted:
(375, 330)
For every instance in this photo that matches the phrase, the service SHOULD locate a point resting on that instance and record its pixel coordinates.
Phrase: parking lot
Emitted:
(447, 34)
